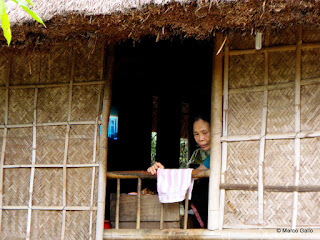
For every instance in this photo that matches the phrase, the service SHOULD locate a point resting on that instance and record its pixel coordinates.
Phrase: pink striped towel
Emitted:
(172, 184)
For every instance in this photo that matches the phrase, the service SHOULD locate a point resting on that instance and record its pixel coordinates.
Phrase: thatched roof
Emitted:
(124, 19)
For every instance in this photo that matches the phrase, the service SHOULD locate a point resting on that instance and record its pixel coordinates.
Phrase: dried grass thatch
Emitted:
(117, 20)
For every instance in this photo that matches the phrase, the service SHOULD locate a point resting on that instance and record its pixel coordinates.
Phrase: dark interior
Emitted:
(174, 70)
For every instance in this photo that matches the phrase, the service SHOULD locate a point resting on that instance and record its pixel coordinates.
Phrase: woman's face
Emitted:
(201, 133)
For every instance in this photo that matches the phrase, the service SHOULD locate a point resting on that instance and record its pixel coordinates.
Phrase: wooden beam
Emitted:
(102, 185)
(216, 133)
(174, 234)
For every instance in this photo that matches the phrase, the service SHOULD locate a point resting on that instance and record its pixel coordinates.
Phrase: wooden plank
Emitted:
(147, 225)
(216, 133)
(145, 175)
(173, 234)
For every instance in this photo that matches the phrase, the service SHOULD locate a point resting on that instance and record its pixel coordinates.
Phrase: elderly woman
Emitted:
(201, 133)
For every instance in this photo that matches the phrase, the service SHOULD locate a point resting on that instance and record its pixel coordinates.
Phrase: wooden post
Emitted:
(139, 204)
(104, 144)
(216, 133)
(118, 204)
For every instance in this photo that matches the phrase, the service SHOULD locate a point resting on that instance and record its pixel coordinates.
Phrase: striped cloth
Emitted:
(173, 184)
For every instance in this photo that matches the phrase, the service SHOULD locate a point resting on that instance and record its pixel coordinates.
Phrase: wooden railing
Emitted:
(145, 175)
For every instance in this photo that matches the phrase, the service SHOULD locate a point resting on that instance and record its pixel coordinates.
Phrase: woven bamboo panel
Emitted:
(4, 70)
(79, 186)
(310, 161)
(280, 117)
(310, 64)
(60, 64)
(287, 36)
(278, 208)
(25, 69)
(44, 76)
(282, 67)
(310, 107)
(84, 104)
(77, 225)
(241, 208)
(279, 162)
(81, 143)
(308, 209)
(50, 144)
(19, 146)
(16, 186)
(2, 105)
(243, 158)
(14, 224)
(242, 41)
(21, 104)
(46, 224)
(48, 187)
(244, 115)
(246, 70)
(52, 104)
(311, 34)
(88, 65)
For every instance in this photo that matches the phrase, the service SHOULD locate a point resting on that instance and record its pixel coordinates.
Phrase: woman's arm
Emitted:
(202, 167)
(153, 169)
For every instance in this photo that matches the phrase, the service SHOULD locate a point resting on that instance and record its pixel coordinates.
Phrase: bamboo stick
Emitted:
(139, 204)
(118, 204)
(66, 150)
(51, 165)
(224, 130)
(104, 144)
(263, 138)
(273, 136)
(297, 129)
(216, 132)
(3, 149)
(162, 216)
(277, 86)
(34, 151)
(145, 175)
(49, 208)
(186, 208)
(271, 188)
(94, 156)
(50, 85)
(263, 50)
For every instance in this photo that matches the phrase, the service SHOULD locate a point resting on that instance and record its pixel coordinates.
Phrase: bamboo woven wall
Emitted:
(49, 131)
(271, 129)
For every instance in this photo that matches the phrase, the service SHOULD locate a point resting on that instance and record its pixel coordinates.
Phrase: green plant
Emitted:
(5, 22)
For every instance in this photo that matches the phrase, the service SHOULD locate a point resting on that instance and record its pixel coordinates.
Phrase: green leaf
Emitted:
(28, 10)
(30, 2)
(5, 22)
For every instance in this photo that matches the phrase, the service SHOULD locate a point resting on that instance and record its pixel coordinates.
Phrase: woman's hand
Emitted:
(153, 169)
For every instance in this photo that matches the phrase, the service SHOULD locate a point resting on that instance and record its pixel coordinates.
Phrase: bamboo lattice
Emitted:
(271, 120)
(49, 141)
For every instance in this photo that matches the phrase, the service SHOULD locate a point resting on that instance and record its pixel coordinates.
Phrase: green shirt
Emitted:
(197, 157)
